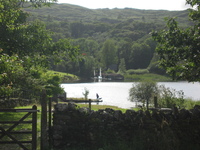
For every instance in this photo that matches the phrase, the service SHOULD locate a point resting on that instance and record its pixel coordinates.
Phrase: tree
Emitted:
(109, 53)
(77, 29)
(179, 49)
(146, 91)
(143, 92)
(122, 66)
(168, 97)
(25, 49)
(140, 55)
(86, 93)
(19, 36)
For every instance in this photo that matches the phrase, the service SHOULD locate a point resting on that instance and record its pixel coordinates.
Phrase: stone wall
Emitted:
(75, 127)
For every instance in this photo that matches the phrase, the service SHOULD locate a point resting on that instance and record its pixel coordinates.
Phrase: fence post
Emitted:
(44, 141)
(34, 128)
(155, 102)
(50, 119)
(90, 104)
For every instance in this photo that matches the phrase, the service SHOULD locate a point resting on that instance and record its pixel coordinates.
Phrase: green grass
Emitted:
(147, 77)
(16, 116)
(189, 103)
(66, 77)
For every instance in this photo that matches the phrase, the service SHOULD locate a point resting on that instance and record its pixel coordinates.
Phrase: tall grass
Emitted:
(146, 77)
(189, 103)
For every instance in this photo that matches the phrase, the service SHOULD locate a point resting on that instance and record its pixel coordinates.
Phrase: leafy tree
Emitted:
(25, 49)
(16, 32)
(77, 29)
(140, 55)
(122, 66)
(169, 97)
(178, 48)
(143, 92)
(154, 66)
(86, 93)
(86, 66)
(88, 46)
(109, 53)
(124, 51)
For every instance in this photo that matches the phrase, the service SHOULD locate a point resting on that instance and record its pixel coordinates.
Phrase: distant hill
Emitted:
(61, 12)
(128, 28)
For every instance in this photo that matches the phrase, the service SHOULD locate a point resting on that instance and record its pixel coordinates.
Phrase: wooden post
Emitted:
(50, 119)
(90, 104)
(155, 102)
(34, 128)
(44, 141)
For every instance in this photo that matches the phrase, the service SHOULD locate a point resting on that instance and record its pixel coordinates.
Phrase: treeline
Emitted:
(26, 51)
(107, 38)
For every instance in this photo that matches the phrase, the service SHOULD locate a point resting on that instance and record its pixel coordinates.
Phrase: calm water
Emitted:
(117, 93)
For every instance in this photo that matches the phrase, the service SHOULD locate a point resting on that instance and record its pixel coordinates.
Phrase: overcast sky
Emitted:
(139, 4)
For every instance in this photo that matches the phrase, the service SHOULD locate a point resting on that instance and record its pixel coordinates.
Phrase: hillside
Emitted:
(106, 37)
(62, 12)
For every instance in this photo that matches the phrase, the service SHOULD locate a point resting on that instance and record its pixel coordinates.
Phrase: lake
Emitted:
(117, 93)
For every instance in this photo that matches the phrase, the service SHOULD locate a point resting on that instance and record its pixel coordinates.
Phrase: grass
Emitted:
(147, 77)
(66, 77)
(16, 116)
(189, 103)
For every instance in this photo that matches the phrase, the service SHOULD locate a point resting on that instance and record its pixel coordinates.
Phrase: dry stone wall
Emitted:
(75, 127)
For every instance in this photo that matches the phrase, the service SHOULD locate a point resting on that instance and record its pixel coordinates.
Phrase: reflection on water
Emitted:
(117, 93)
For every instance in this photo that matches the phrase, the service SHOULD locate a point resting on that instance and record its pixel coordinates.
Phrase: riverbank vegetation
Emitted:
(150, 94)
(147, 77)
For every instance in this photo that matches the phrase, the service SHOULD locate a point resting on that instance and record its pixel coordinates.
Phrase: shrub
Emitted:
(137, 71)
(169, 97)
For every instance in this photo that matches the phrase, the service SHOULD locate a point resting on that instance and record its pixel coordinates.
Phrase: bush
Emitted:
(169, 97)
(109, 71)
(137, 71)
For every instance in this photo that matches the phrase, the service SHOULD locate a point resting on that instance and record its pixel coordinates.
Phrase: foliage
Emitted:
(26, 48)
(137, 71)
(154, 66)
(143, 92)
(178, 48)
(109, 53)
(90, 29)
(189, 103)
(86, 93)
(110, 71)
(18, 78)
(170, 97)
(146, 77)
(122, 66)
(146, 91)
(86, 66)
(11, 70)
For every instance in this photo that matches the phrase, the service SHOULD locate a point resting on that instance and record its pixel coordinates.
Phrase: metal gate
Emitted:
(8, 130)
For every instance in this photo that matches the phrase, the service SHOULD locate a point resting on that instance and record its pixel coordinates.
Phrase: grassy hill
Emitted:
(90, 28)
(61, 12)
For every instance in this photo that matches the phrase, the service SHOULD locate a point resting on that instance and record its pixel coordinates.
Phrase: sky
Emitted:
(139, 4)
